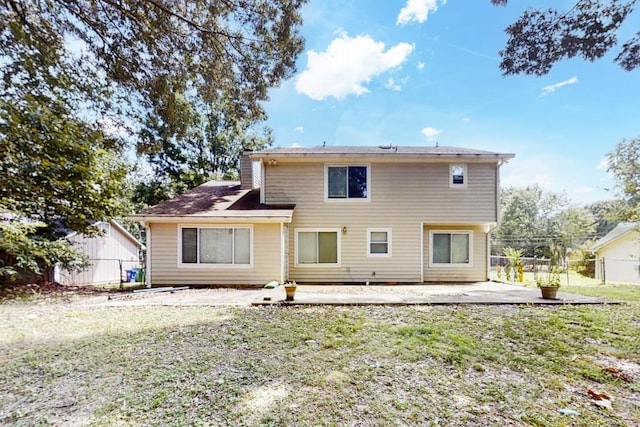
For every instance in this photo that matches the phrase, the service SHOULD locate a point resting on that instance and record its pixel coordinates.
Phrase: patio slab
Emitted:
(489, 293)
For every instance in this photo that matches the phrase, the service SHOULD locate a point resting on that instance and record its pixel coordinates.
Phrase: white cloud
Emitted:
(552, 88)
(431, 133)
(295, 145)
(396, 85)
(393, 85)
(346, 65)
(420, 65)
(300, 129)
(417, 10)
(604, 164)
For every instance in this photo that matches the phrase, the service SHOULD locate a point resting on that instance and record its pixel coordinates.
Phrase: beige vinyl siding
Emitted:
(165, 268)
(476, 271)
(402, 198)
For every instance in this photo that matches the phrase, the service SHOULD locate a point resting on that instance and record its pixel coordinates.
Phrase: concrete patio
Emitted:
(434, 294)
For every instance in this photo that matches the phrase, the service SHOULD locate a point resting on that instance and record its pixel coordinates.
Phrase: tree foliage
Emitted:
(540, 38)
(22, 250)
(211, 150)
(540, 223)
(624, 164)
(607, 214)
(166, 56)
(56, 169)
(82, 80)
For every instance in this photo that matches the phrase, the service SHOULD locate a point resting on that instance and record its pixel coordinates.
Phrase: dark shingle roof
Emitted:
(213, 198)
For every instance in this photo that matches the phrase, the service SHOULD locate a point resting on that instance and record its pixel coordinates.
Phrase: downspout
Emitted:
(263, 184)
(422, 252)
(497, 218)
(147, 276)
(488, 272)
(282, 254)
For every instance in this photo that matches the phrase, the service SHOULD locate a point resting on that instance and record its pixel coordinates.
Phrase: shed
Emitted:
(618, 254)
(110, 255)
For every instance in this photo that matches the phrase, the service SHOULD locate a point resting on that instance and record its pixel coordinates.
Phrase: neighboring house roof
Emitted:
(119, 227)
(388, 150)
(618, 232)
(222, 200)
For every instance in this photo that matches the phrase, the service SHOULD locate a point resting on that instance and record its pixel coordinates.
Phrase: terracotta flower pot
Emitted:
(549, 292)
(290, 290)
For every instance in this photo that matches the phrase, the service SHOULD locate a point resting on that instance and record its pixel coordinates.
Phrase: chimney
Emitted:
(246, 171)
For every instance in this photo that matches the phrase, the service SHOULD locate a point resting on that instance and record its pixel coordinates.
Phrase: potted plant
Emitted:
(515, 263)
(290, 289)
(549, 286)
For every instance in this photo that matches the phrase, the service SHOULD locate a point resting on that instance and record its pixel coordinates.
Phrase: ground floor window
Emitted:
(216, 245)
(379, 242)
(450, 247)
(317, 247)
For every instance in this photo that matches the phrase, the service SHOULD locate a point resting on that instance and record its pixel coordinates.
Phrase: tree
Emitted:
(68, 69)
(624, 164)
(23, 251)
(164, 58)
(211, 150)
(570, 228)
(540, 223)
(540, 38)
(56, 169)
(526, 215)
(607, 214)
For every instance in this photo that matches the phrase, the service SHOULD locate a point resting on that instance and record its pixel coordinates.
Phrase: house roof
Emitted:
(219, 200)
(618, 232)
(433, 152)
(116, 225)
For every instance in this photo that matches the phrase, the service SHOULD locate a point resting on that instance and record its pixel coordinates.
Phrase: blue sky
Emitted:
(421, 72)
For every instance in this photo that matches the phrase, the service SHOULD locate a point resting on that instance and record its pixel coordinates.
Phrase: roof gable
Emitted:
(618, 232)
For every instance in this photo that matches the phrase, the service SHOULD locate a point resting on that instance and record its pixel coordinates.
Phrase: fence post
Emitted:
(121, 281)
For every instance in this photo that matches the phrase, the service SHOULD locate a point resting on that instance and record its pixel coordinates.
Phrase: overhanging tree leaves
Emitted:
(540, 38)
(168, 54)
(66, 65)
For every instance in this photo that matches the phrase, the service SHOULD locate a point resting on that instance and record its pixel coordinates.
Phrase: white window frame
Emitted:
(465, 175)
(212, 265)
(105, 227)
(338, 232)
(379, 255)
(346, 199)
(451, 265)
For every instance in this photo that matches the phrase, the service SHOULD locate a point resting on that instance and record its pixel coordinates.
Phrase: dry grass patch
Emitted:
(367, 366)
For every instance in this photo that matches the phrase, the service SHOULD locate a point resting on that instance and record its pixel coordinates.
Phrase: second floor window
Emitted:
(458, 176)
(347, 182)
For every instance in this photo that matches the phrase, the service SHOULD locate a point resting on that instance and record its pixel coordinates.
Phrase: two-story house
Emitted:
(332, 215)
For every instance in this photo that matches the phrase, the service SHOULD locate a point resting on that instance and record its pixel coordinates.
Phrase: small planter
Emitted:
(290, 289)
(549, 292)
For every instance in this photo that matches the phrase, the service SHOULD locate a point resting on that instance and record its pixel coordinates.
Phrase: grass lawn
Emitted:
(70, 363)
